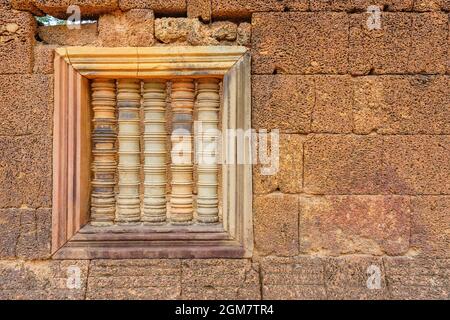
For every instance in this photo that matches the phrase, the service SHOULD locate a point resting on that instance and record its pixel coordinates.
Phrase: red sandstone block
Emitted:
(16, 43)
(58, 8)
(276, 224)
(300, 43)
(332, 112)
(351, 5)
(402, 104)
(430, 223)
(336, 225)
(9, 232)
(431, 5)
(35, 234)
(26, 104)
(25, 171)
(415, 278)
(220, 279)
(417, 164)
(343, 164)
(41, 279)
(288, 176)
(293, 278)
(133, 28)
(348, 278)
(282, 102)
(243, 8)
(158, 6)
(43, 58)
(401, 45)
(199, 9)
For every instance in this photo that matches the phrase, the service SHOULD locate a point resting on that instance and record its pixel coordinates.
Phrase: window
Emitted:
(151, 159)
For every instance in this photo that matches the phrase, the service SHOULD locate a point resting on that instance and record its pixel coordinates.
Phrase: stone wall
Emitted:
(364, 175)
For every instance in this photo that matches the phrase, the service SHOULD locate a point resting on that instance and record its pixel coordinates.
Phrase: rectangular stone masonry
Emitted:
(243, 8)
(16, 41)
(300, 43)
(46, 280)
(337, 225)
(26, 105)
(87, 34)
(168, 7)
(276, 224)
(293, 278)
(58, 8)
(133, 28)
(430, 223)
(431, 5)
(282, 102)
(414, 278)
(356, 278)
(288, 173)
(199, 9)
(343, 164)
(220, 279)
(401, 45)
(134, 279)
(402, 104)
(417, 164)
(360, 5)
(26, 173)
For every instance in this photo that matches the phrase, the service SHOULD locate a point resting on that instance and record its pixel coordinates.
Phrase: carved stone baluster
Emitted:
(128, 103)
(155, 151)
(208, 104)
(181, 202)
(103, 102)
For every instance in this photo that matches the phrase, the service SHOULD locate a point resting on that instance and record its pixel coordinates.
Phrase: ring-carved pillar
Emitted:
(181, 203)
(208, 105)
(155, 151)
(128, 103)
(103, 102)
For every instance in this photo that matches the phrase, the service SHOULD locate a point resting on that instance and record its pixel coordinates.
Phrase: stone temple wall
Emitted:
(364, 173)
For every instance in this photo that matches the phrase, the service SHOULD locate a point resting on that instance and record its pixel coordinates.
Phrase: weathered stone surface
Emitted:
(276, 224)
(43, 58)
(220, 279)
(243, 8)
(361, 5)
(35, 234)
(287, 174)
(417, 164)
(5, 4)
(42, 279)
(337, 225)
(187, 31)
(244, 34)
(300, 43)
(224, 30)
(16, 41)
(61, 35)
(282, 102)
(25, 171)
(430, 233)
(401, 45)
(26, 105)
(9, 232)
(332, 112)
(199, 9)
(352, 278)
(134, 279)
(413, 278)
(402, 104)
(58, 8)
(342, 164)
(431, 5)
(26, 5)
(133, 28)
(158, 6)
(296, 278)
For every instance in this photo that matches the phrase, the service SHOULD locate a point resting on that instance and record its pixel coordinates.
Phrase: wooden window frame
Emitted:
(72, 237)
